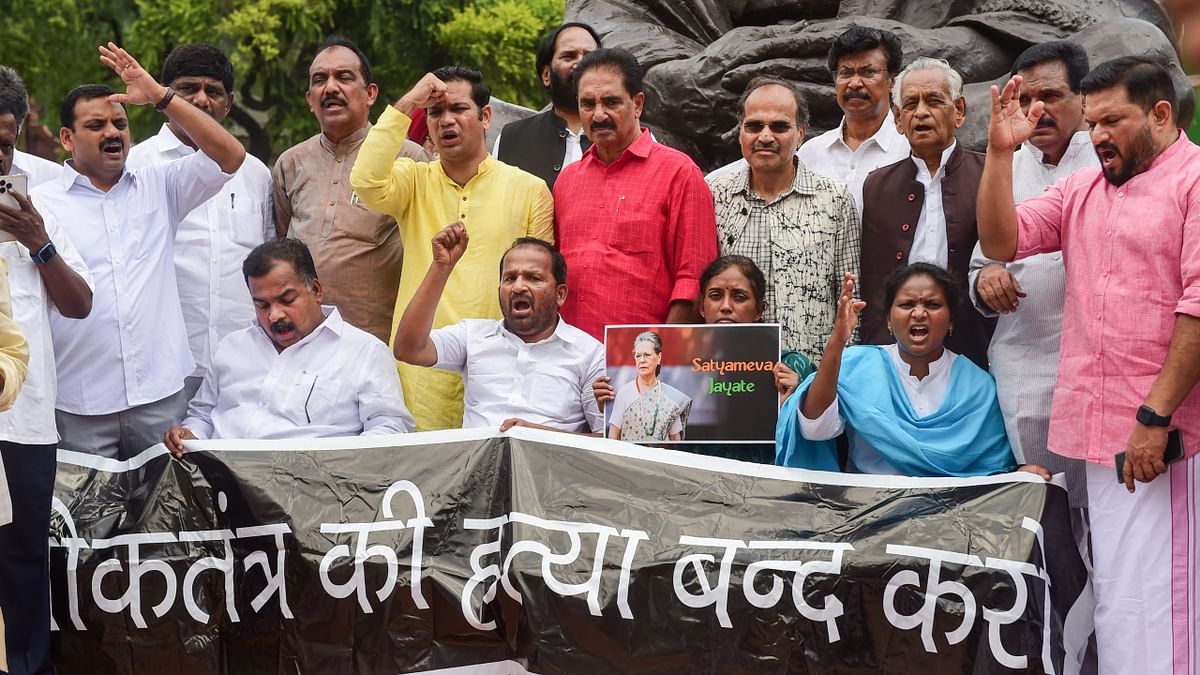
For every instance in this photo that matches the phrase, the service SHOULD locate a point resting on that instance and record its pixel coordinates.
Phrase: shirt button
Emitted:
(911, 196)
(899, 255)
(331, 203)
(904, 227)
(335, 182)
(464, 198)
(1121, 195)
(558, 167)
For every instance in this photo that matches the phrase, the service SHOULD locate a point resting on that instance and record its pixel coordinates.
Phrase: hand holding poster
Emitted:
(708, 383)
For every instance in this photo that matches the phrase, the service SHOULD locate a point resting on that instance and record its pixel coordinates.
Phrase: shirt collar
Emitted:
(1080, 140)
(333, 322)
(885, 136)
(169, 142)
(923, 170)
(639, 148)
(804, 183)
(485, 166)
(348, 143)
(71, 177)
(562, 331)
(936, 368)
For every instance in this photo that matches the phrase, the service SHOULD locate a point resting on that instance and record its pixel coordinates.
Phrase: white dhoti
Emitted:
(1144, 571)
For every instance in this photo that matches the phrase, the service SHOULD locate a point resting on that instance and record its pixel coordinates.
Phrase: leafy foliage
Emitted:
(52, 43)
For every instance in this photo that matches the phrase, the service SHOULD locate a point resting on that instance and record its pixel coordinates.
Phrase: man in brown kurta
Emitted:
(357, 250)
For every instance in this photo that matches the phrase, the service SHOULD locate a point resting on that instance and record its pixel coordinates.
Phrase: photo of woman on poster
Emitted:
(645, 408)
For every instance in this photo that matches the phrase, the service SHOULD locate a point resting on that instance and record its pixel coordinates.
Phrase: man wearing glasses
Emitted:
(800, 228)
(863, 63)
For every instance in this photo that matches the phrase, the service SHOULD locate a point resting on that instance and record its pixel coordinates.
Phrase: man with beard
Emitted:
(1028, 294)
(1129, 234)
(121, 370)
(864, 63)
(531, 368)
(549, 141)
(496, 201)
(634, 218)
(358, 249)
(801, 229)
(297, 371)
(922, 208)
(212, 241)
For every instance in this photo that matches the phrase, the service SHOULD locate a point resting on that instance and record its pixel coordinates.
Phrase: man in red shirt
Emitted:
(634, 218)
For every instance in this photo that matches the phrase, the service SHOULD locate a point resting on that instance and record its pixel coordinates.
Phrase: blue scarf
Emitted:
(965, 437)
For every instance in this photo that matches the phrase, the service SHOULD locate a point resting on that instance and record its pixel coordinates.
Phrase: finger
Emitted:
(1017, 287)
(1035, 112)
(1160, 467)
(1128, 477)
(507, 424)
(119, 98)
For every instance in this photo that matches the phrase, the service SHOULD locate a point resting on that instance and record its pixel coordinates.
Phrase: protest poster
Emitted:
(539, 552)
(708, 383)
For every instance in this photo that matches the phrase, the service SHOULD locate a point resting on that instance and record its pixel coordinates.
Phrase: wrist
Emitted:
(164, 99)
(405, 105)
(1150, 416)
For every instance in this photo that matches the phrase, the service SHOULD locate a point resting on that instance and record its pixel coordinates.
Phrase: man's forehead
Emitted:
(199, 79)
(1052, 74)
(770, 99)
(458, 91)
(333, 59)
(924, 82)
(607, 80)
(574, 38)
(8, 126)
(874, 56)
(526, 256)
(98, 108)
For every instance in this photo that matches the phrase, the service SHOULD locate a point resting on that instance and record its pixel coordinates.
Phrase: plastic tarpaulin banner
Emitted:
(531, 551)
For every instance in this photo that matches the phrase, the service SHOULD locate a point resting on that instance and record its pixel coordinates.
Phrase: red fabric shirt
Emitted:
(636, 234)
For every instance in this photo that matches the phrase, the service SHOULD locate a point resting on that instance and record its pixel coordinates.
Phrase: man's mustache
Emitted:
(282, 326)
(333, 96)
(606, 124)
(772, 147)
(1046, 121)
(857, 93)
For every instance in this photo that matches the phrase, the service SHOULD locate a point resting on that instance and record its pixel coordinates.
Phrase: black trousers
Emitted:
(24, 572)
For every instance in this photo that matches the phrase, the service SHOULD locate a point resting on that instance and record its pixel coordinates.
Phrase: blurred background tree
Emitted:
(52, 43)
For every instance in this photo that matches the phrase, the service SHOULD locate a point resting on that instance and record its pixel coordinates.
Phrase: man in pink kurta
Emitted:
(1129, 233)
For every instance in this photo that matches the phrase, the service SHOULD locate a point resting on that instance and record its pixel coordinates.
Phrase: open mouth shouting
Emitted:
(520, 306)
(113, 148)
(334, 102)
(450, 138)
(1108, 154)
(918, 333)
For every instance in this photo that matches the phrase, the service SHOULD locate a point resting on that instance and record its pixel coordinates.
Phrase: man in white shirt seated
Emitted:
(299, 371)
(531, 368)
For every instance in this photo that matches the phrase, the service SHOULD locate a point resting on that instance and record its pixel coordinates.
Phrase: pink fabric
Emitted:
(636, 234)
(1132, 258)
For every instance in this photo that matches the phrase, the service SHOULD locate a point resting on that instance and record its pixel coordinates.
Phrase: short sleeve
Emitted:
(451, 345)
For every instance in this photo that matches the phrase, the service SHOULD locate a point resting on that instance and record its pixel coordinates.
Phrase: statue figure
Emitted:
(698, 55)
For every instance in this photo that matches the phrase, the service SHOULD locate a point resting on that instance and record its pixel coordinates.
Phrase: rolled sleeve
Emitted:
(382, 181)
(381, 405)
(1189, 263)
(200, 408)
(827, 425)
(451, 345)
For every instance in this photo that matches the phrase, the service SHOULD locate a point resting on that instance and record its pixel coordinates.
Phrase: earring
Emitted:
(951, 331)
(890, 329)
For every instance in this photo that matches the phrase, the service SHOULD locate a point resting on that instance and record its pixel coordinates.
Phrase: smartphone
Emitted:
(1171, 454)
(17, 182)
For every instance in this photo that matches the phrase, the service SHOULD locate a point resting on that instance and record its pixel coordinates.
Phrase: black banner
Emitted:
(547, 553)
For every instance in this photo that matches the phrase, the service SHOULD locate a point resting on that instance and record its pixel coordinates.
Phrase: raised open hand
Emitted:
(848, 312)
(450, 244)
(1009, 127)
(140, 86)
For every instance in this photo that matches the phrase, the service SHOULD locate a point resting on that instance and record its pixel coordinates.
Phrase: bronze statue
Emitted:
(699, 54)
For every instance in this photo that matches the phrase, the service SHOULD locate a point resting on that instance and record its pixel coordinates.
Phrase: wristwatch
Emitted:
(45, 254)
(1150, 417)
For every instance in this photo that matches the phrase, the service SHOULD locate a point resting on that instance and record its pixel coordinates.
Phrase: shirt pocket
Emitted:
(553, 391)
(242, 222)
(310, 399)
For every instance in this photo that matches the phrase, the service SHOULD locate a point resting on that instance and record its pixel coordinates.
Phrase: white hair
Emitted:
(926, 63)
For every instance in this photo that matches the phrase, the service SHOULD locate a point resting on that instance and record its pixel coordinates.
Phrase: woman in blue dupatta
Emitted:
(911, 408)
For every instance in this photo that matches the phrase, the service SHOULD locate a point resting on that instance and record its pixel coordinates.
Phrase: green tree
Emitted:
(52, 43)
(500, 38)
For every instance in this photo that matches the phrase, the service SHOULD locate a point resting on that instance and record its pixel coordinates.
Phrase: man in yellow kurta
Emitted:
(14, 358)
(496, 202)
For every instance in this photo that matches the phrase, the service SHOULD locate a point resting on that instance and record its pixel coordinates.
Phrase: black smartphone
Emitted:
(1171, 454)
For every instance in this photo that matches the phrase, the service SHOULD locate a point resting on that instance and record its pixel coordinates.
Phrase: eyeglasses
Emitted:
(864, 73)
(779, 127)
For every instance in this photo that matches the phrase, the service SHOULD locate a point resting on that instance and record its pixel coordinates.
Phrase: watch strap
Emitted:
(1150, 417)
(165, 100)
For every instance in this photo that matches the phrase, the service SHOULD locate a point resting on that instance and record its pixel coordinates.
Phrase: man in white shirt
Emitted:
(864, 63)
(529, 369)
(214, 239)
(46, 274)
(299, 371)
(121, 371)
(1028, 294)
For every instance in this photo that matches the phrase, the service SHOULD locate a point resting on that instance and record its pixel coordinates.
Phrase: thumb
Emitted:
(119, 98)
